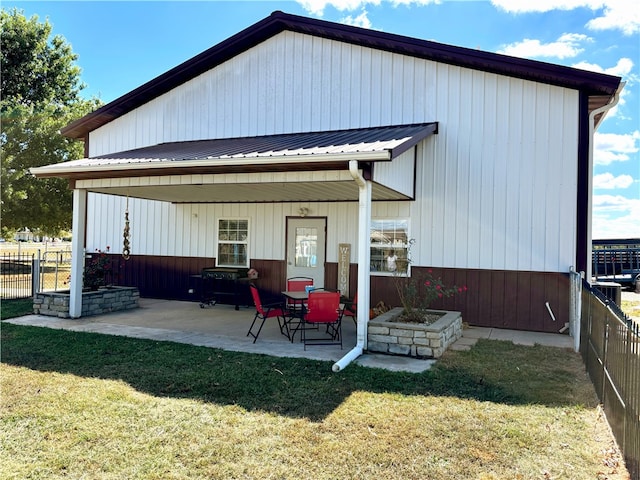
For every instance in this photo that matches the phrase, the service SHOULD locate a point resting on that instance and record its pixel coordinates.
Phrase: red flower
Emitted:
(427, 283)
(438, 287)
(439, 295)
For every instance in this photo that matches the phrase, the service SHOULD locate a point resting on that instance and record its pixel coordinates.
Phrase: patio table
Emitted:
(297, 297)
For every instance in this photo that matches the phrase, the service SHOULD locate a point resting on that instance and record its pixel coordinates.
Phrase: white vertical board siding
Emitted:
(398, 174)
(497, 186)
(165, 229)
(289, 83)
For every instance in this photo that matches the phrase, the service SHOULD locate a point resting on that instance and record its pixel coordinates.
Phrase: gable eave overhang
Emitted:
(591, 83)
(129, 167)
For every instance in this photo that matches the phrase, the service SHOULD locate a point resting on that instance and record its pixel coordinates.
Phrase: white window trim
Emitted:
(232, 242)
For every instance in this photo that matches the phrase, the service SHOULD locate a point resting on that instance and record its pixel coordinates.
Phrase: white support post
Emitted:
(35, 274)
(79, 226)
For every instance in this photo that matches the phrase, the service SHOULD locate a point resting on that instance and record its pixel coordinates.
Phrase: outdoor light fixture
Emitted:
(303, 211)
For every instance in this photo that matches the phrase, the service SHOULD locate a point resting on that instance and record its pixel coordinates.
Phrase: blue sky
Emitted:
(123, 44)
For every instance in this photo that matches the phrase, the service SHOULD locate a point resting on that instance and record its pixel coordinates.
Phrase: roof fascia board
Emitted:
(414, 140)
(66, 170)
(179, 74)
(591, 82)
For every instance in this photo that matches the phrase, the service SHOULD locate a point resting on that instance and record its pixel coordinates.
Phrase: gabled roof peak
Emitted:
(591, 83)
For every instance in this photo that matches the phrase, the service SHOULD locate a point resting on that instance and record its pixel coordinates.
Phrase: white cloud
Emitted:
(567, 46)
(316, 7)
(615, 216)
(608, 181)
(360, 21)
(623, 15)
(395, 3)
(614, 147)
(623, 68)
(523, 6)
(619, 14)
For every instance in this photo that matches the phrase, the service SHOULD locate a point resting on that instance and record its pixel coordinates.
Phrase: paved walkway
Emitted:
(225, 328)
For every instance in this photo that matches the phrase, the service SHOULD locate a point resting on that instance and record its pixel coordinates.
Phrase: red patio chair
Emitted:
(323, 308)
(264, 311)
(350, 308)
(297, 284)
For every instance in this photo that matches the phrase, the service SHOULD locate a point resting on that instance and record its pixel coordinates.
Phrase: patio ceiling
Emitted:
(262, 192)
(312, 166)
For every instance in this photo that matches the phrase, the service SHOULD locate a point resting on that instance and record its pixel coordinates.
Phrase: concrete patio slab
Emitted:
(221, 326)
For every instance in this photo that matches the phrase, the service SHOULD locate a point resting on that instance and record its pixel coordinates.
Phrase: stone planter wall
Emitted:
(104, 300)
(386, 335)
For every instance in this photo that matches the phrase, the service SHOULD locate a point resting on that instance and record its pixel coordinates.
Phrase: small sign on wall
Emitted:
(344, 259)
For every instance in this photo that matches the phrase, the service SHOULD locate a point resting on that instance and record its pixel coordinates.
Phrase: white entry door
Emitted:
(306, 248)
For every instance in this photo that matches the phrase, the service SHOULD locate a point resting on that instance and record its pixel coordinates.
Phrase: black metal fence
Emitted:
(21, 273)
(16, 275)
(610, 347)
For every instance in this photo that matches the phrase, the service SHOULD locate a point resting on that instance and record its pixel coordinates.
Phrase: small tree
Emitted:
(41, 87)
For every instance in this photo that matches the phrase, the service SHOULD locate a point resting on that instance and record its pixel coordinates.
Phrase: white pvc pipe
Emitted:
(354, 353)
(364, 255)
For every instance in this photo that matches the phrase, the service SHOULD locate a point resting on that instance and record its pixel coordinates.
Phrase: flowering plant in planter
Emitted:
(435, 288)
(98, 270)
(417, 293)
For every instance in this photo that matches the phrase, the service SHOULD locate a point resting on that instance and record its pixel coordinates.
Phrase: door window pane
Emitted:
(306, 247)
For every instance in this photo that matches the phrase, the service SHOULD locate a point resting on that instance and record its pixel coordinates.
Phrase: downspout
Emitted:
(592, 129)
(364, 255)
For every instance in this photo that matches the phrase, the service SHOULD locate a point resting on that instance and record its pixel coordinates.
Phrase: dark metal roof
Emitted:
(395, 139)
(322, 149)
(591, 83)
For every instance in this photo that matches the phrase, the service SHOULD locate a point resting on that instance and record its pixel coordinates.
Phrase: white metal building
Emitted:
(297, 135)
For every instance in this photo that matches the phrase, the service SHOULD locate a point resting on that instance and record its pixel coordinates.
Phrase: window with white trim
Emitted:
(389, 240)
(233, 243)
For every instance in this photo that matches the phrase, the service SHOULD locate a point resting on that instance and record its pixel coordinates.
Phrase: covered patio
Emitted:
(335, 166)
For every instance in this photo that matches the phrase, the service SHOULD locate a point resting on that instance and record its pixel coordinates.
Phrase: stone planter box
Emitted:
(103, 300)
(387, 335)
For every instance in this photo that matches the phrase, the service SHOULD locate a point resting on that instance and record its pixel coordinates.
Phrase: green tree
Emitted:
(40, 86)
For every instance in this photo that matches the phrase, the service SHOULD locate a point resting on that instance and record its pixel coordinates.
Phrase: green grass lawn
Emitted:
(83, 405)
(16, 308)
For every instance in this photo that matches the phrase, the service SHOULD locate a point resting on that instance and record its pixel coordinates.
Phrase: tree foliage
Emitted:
(40, 94)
